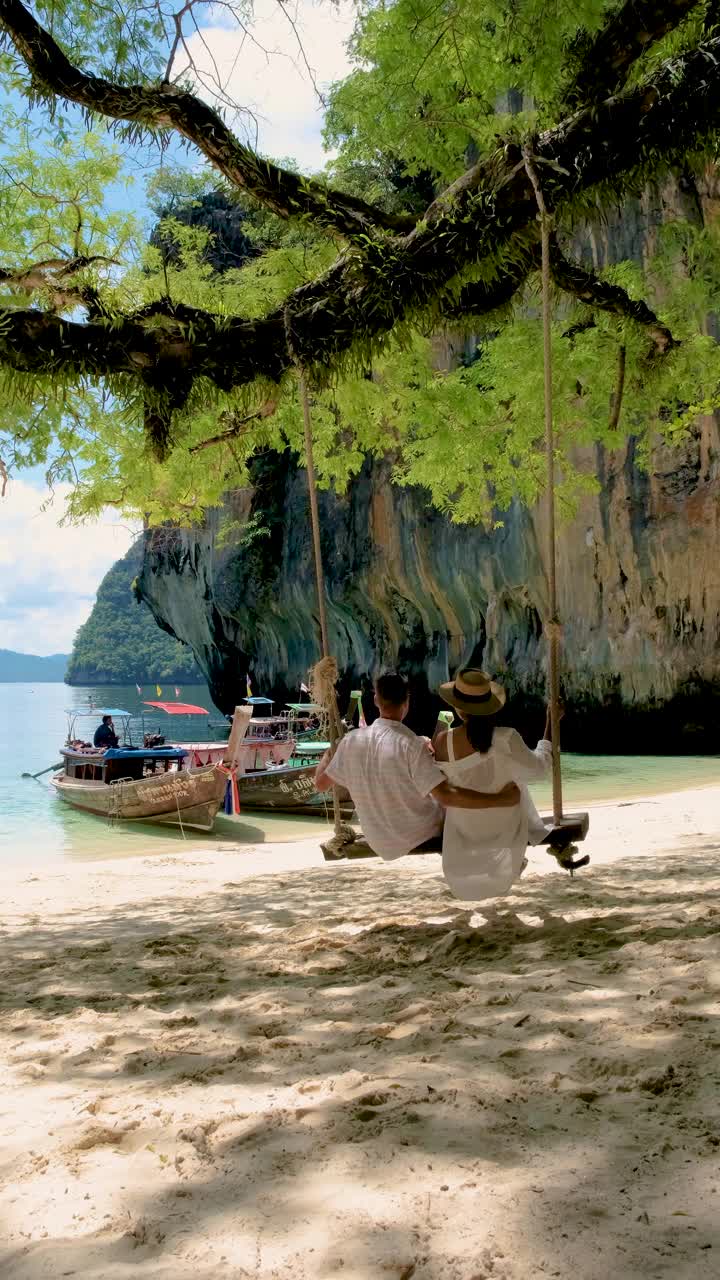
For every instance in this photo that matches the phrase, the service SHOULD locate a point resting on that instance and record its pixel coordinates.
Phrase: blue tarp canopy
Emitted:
(97, 711)
(144, 753)
(259, 702)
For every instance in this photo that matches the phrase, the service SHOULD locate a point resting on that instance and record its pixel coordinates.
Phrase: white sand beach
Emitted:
(250, 1063)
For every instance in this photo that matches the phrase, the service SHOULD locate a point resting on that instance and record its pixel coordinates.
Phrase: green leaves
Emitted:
(436, 86)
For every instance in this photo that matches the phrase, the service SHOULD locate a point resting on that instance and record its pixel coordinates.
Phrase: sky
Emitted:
(49, 573)
(296, 51)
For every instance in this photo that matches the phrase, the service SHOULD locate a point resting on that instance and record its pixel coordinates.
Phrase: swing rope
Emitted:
(553, 628)
(314, 515)
(326, 669)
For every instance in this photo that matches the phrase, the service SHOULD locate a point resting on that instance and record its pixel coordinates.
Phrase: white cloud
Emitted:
(49, 574)
(265, 71)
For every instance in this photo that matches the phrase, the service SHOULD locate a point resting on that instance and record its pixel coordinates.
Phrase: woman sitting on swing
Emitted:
(484, 850)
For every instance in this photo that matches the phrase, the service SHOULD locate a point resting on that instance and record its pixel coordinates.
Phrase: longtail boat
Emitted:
(286, 789)
(261, 744)
(274, 771)
(138, 784)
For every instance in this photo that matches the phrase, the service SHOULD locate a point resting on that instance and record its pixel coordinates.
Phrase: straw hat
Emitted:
(473, 693)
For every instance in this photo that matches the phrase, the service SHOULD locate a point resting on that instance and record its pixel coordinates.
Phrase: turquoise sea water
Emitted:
(37, 827)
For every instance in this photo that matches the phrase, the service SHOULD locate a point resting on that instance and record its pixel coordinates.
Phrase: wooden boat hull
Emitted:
(172, 799)
(289, 789)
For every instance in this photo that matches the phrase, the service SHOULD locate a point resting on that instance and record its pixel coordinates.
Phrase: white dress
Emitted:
(484, 849)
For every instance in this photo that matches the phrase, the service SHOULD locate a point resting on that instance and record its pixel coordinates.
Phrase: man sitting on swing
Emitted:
(398, 790)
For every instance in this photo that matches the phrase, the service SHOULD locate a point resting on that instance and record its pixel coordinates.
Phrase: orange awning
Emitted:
(179, 708)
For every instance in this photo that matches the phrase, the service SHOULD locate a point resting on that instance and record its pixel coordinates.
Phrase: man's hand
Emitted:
(427, 743)
(451, 797)
(548, 721)
(561, 713)
(322, 782)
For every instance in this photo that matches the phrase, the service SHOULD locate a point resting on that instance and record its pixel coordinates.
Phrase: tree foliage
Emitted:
(149, 373)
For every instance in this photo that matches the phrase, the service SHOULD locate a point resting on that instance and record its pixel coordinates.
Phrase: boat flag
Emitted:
(249, 688)
(232, 795)
(304, 688)
(357, 695)
(137, 686)
(158, 690)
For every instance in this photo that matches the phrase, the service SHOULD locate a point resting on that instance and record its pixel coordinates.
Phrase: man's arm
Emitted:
(323, 782)
(451, 797)
(431, 781)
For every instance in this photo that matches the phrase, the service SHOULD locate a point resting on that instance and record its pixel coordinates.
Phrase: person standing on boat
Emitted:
(398, 791)
(105, 735)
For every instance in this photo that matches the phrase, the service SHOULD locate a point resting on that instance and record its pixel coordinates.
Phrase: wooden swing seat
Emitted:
(561, 840)
(572, 828)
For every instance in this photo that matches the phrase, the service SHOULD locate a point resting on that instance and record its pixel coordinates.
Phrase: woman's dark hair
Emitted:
(479, 730)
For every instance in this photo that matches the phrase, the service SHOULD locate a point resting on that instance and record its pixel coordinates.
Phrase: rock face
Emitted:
(120, 643)
(639, 578)
(639, 575)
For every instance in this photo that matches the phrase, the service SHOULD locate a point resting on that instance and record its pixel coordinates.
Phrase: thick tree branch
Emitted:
(491, 210)
(582, 326)
(40, 342)
(600, 294)
(53, 277)
(478, 298)
(489, 216)
(165, 107)
(604, 59)
(157, 351)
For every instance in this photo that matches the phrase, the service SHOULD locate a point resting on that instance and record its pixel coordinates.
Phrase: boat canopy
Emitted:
(98, 711)
(311, 708)
(179, 708)
(144, 753)
(259, 702)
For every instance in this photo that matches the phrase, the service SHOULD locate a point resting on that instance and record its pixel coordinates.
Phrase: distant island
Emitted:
(121, 643)
(26, 668)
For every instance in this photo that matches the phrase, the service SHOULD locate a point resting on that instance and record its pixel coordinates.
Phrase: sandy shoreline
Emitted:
(252, 1063)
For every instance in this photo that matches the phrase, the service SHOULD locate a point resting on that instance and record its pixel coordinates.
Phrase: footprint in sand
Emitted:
(367, 1105)
(103, 1136)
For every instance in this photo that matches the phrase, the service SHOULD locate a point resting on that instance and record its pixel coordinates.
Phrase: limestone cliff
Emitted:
(120, 643)
(639, 577)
